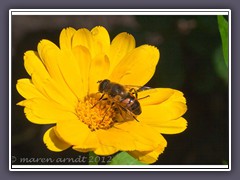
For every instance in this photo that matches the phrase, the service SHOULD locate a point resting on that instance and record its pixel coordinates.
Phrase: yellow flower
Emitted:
(63, 89)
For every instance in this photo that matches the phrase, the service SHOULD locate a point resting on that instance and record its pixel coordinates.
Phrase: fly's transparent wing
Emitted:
(136, 88)
(143, 88)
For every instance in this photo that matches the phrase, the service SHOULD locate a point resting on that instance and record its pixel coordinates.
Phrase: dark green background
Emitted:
(191, 61)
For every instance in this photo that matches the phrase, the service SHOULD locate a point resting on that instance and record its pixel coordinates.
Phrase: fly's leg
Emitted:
(135, 93)
(100, 99)
(144, 97)
(107, 110)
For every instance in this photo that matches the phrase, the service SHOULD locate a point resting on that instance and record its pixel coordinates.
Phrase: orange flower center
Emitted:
(96, 114)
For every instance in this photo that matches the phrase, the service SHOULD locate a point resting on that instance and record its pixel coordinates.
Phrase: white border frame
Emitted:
(13, 12)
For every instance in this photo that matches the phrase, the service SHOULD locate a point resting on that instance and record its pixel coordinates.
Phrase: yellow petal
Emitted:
(83, 37)
(27, 89)
(101, 39)
(117, 137)
(98, 71)
(121, 45)
(35, 119)
(83, 57)
(172, 127)
(73, 132)
(154, 96)
(54, 60)
(103, 150)
(148, 157)
(33, 64)
(36, 68)
(42, 111)
(50, 55)
(140, 62)
(129, 136)
(172, 108)
(52, 142)
(145, 136)
(55, 91)
(69, 68)
(92, 143)
(65, 39)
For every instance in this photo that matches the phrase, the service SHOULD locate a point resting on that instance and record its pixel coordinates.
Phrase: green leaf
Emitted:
(224, 162)
(93, 160)
(219, 65)
(123, 158)
(223, 29)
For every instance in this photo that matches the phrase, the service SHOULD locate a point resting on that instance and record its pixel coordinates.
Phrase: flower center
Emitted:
(96, 114)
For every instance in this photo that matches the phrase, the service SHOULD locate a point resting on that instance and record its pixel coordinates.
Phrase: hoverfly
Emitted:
(124, 98)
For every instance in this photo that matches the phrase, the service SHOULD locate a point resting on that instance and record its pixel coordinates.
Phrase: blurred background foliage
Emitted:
(191, 61)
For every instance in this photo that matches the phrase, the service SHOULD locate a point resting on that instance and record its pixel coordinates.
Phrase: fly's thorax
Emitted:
(115, 89)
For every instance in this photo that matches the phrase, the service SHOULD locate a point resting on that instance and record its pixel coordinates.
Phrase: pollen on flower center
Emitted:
(96, 114)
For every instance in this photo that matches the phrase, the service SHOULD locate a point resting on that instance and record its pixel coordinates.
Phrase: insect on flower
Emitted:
(123, 97)
(62, 91)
